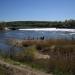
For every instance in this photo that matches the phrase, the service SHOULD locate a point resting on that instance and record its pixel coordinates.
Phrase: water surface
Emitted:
(32, 34)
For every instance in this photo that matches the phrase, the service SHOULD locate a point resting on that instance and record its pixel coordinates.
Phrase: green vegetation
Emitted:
(27, 54)
(61, 52)
(3, 70)
(36, 24)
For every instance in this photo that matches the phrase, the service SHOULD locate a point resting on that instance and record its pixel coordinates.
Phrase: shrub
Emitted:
(28, 54)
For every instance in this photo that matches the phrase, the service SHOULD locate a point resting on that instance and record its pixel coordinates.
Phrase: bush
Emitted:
(28, 54)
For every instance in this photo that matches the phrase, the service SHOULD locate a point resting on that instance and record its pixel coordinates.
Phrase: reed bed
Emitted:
(61, 52)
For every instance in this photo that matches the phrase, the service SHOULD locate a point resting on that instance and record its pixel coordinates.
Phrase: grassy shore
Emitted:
(51, 56)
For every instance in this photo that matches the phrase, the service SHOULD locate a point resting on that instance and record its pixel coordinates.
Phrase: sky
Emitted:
(37, 10)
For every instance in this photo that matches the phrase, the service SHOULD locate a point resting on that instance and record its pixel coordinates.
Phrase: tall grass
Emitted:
(63, 58)
(62, 55)
(61, 52)
(47, 42)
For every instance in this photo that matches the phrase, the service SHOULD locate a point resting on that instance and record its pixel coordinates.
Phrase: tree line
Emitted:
(39, 24)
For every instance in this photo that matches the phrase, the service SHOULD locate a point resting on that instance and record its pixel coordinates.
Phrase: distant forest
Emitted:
(39, 24)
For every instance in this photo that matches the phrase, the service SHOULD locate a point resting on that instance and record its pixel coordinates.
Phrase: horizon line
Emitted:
(36, 20)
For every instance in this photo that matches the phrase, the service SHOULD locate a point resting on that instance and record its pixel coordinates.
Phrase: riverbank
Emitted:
(58, 55)
(10, 67)
(41, 42)
(50, 56)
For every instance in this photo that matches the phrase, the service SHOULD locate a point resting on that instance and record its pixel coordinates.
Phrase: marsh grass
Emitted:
(61, 52)
(63, 59)
(48, 42)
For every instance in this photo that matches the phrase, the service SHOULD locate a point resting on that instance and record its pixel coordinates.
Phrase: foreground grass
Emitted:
(23, 64)
(61, 52)
(11, 67)
(2, 72)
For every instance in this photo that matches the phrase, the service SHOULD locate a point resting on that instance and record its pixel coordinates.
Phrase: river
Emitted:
(37, 33)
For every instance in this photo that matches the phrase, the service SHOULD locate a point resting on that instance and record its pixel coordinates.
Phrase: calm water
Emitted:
(22, 34)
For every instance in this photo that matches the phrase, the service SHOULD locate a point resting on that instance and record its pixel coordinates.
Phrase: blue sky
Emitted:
(11, 10)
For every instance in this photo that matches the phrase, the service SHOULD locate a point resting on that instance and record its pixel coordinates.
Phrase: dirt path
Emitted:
(20, 70)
